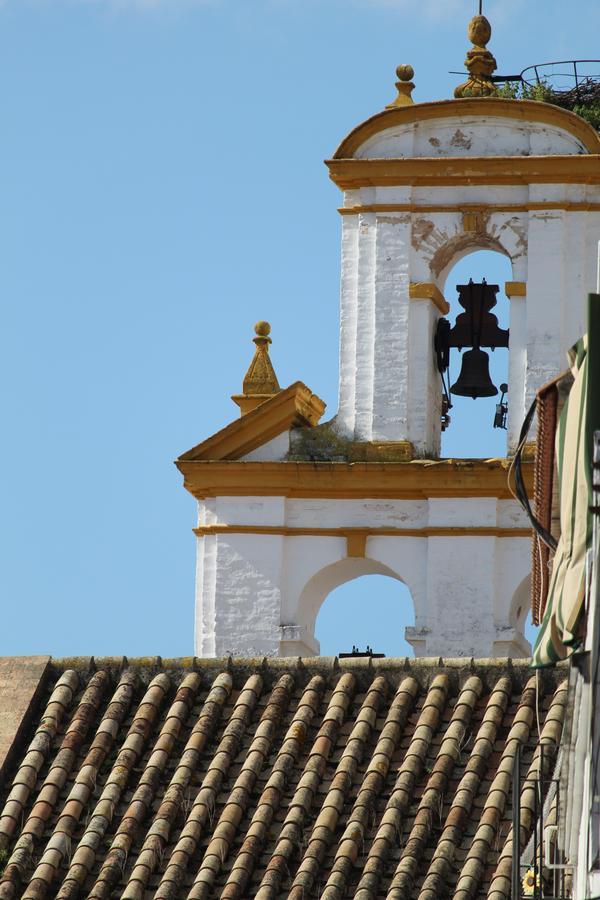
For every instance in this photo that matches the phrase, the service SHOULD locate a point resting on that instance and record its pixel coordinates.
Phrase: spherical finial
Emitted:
(404, 86)
(479, 31)
(262, 329)
(405, 72)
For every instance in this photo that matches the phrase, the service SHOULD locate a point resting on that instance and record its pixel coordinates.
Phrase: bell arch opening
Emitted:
(359, 603)
(471, 431)
(520, 614)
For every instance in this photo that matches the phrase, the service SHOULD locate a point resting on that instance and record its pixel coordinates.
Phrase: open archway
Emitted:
(520, 615)
(371, 610)
(471, 432)
(358, 602)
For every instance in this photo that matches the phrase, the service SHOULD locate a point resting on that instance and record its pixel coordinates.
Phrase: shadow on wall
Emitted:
(371, 609)
(471, 432)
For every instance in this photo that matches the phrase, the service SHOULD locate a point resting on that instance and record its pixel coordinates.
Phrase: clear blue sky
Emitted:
(161, 188)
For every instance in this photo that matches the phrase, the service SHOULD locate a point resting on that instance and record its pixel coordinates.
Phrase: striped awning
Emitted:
(560, 630)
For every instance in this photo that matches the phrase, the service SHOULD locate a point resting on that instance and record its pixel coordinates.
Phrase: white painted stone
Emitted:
(469, 136)
(274, 450)
(479, 512)
(253, 510)
(356, 513)
(261, 593)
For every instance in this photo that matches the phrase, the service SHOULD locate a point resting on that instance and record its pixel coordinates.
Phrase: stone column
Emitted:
(545, 297)
(517, 360)
(365, 328)
(392, 331)
(424, 380)
(348, 322)
(239, 578)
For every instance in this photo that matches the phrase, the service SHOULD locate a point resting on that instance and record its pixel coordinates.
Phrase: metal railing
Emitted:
(538, 867)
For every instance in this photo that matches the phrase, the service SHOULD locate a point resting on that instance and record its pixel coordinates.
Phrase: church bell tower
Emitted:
(290, 507)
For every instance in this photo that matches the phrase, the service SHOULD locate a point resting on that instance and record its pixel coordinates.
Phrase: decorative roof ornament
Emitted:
(405, 86)
(260, 382)
(480, 62)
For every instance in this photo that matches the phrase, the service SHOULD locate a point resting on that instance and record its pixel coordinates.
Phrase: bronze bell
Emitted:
(474, 379)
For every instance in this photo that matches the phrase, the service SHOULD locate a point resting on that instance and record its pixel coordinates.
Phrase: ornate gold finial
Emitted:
(405, 87)
(260, 382)
(480, 61)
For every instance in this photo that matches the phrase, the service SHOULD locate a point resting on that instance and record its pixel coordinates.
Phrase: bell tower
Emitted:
(290, 508)
(425, 184)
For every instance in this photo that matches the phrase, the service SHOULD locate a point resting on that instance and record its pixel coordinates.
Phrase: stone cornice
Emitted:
(409, 480)
(350, 174)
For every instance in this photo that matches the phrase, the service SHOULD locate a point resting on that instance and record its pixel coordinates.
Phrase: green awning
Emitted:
(560, 630)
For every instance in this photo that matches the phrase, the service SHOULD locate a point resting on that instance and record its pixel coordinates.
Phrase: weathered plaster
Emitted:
(261, 592)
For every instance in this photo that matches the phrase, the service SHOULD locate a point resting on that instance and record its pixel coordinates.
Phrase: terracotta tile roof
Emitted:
(237, 779)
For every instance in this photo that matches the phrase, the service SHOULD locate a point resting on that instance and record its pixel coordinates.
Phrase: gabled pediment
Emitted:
(295, 406)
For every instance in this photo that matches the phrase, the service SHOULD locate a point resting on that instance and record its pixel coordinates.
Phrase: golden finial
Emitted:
(404, 86)
(480, 61)
(260, 382)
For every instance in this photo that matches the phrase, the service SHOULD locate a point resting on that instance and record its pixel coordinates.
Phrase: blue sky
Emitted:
(161, 189)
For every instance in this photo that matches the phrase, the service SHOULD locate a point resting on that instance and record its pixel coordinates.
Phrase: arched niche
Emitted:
(327, 580)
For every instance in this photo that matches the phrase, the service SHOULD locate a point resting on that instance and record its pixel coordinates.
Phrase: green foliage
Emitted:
(542, 92)
(591, 114)
(516, 90)
(3, 860)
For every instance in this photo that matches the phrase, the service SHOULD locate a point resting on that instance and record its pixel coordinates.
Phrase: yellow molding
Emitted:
(356, 543)
(383, 480)
(490, 209)
(515, 288)
(350, 174)
(424, 290)
(296, 405)
(357, 537)
(523, 110)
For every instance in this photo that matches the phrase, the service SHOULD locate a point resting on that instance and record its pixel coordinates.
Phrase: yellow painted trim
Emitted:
(523, 110)
(350, 174)
(515, 288)
(356, 544)
(490, 209)
(424, 290)
(296, 405)
(357, 537)
(394, 480)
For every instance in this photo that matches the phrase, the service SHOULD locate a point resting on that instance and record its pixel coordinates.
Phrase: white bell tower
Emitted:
(290, 509)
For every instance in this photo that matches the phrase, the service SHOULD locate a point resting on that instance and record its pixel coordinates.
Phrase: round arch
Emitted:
(450, 254)
(520, 607)
(318, 588)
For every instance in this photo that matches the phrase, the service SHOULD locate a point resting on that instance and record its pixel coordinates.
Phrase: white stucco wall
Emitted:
(275, 449)
(470, 136)
(260, 593)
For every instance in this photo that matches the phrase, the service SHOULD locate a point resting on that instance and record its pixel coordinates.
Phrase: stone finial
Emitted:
(260, 382)
(480, 62)
(405, 86)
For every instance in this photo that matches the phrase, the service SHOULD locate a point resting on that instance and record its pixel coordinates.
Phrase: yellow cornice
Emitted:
(489, 208)
(424, 290)
(357, 535)
(402, 480)
(350, 174)
(515, 289)
(519, 110)
(296, 405)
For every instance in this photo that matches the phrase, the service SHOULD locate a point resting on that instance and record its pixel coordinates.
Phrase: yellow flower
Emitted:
(530, 882)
